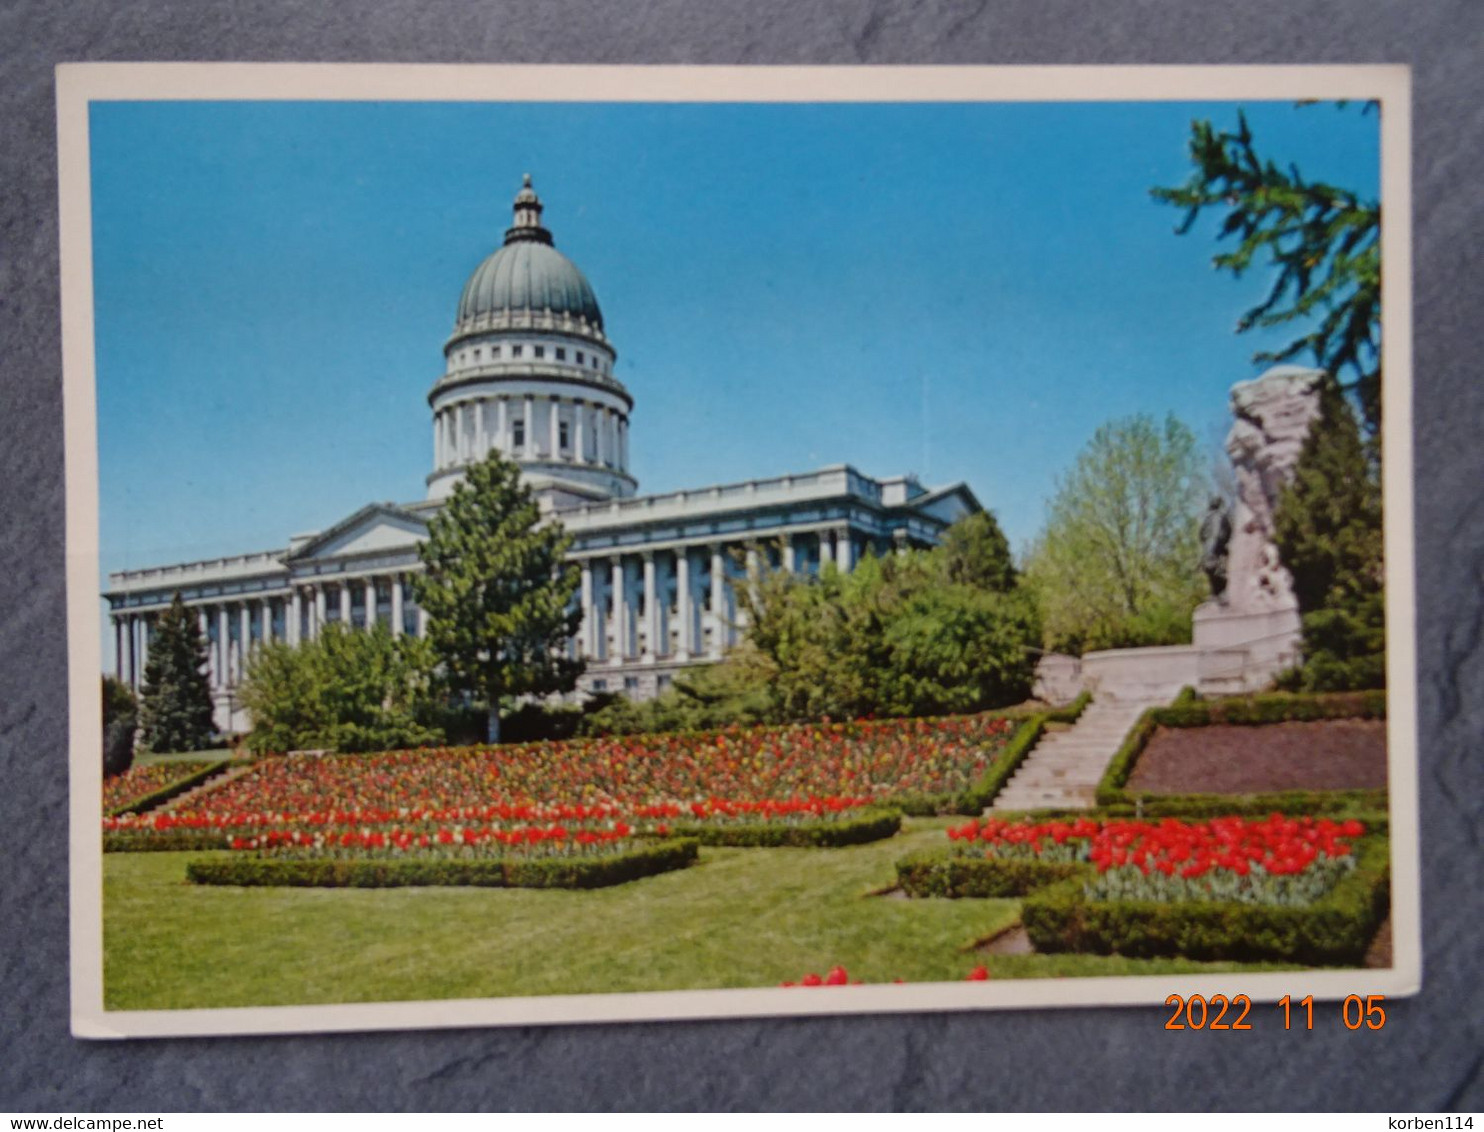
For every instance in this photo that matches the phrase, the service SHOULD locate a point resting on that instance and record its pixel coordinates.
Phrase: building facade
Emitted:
(528, 371)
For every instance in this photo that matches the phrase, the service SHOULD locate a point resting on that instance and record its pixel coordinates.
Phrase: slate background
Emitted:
(1430, 1054)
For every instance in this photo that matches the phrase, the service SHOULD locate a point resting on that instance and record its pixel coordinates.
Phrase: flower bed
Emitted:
(815, 785)
(1297, 889)
(142, 787)
(511, 868)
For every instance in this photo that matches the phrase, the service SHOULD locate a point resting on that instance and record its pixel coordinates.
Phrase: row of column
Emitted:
(623, 616)
(230, 629)
(595, 433)
(629, 600)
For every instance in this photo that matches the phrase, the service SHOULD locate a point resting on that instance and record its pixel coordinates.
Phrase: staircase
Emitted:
(1063, 769)
(182, 802)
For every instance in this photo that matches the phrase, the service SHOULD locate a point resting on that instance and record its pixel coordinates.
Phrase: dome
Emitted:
(528, 274)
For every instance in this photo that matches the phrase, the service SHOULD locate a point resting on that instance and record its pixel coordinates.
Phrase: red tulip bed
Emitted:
(1292, 888)
(820, 785)
(138, 783)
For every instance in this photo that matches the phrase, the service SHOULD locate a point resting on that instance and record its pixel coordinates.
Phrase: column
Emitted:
(223, 647)
(610, 425)
(502, 426)
(790, 560)
(826, 548)
(481, 429)
(588, 637)
(370, 603)
(422, 622)
(620, 600)
(144, 623)
(652, 619)
(293, 616)
(437, 441)
(344, 604)
(118, 648)
(129, 649)
(683, 603)
(554, 431)
(266, 613)
(244, 637)
(623, 442)
(529, 449)
(844, 551)
(397, 611)
(579, 432)
(718, 602)
(321, 610)
(203, 618)
(754, 571)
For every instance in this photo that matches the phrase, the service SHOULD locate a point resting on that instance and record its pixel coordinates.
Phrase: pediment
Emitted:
(380, 528)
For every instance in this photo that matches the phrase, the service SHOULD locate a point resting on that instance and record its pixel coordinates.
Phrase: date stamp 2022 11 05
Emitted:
(1197, 1012)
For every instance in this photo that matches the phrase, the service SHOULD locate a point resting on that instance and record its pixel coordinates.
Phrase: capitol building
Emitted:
(529, 371)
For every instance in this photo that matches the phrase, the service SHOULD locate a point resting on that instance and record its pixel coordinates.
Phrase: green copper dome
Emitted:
(528, 275)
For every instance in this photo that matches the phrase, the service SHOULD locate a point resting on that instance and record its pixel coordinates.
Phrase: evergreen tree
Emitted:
(498, 591)
(175, 711)
(1322, 242)
(1328, 533)
(975, 552)
(120, 723)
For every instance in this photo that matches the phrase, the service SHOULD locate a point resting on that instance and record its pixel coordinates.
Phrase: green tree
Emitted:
(498, 591)
(1321, 242)
(1116, 563)
(975, 552)
(345, 690)
(1328, 532)
(120, 723)
(175, 710)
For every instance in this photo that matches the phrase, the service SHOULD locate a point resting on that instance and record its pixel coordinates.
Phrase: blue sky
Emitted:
(965, 291)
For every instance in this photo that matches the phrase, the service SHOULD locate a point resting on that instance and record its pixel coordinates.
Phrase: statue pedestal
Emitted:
(1241, 650)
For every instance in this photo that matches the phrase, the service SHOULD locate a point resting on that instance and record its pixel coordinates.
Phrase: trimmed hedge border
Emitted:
(826, 833)
(497, 872)
(1335, 930)
(174, 789)
(166, 841)
(974, 800)
(1241, 711)
(942, 873)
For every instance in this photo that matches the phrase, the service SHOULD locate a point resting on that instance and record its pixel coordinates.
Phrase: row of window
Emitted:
(518, 350)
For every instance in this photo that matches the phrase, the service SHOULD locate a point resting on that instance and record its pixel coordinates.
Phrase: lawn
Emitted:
(740, 918)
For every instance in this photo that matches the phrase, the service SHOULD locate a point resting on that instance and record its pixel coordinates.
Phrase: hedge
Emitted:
(824, 833)
(1335, 930)
(166, 841)
(174, 789)
(245, 870)
(939, 872)
(1275, 707)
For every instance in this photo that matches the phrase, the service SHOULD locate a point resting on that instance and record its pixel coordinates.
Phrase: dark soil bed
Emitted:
(1336, 754)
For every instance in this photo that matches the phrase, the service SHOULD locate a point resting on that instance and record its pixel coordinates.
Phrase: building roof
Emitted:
(528, 275)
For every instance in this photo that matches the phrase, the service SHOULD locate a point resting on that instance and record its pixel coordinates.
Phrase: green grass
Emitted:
(739, 918)
(215, 754)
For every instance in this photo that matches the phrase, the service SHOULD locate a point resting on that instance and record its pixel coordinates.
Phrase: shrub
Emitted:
(939, 872)
(120, 722)
(853, 829)
(1335, 930)
(243, 870)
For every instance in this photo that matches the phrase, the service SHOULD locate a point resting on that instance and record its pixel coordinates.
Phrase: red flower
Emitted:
(978, 974)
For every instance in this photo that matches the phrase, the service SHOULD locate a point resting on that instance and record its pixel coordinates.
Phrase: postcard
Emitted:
(562, 544)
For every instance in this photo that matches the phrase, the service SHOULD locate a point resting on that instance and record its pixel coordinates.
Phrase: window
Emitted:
(518, 434)
(516, 351)
(666, 680)
(561, 354)
(580, 358)
(477, 353)
(494, 352)
(541, 351)
(595, 361)
(631, 683)
(600, 685)
(562, 440)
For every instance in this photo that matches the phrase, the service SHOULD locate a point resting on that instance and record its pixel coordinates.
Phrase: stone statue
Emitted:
(1216, 536)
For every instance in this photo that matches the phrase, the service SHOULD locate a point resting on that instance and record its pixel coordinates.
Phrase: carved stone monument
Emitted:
(1250, 628)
